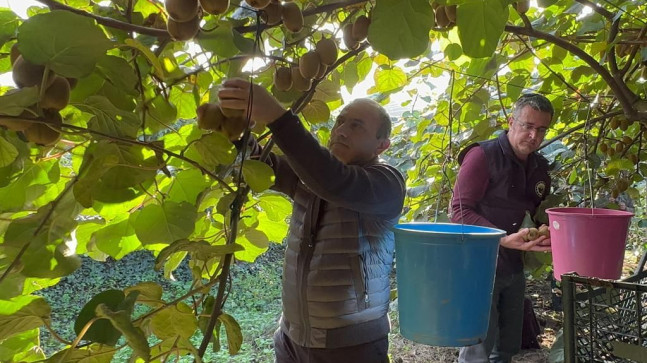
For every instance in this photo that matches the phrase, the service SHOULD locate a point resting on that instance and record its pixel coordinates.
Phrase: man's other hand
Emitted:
(516, 241)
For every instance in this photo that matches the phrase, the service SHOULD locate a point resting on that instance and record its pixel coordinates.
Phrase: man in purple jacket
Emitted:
(498, 181)
(340, 244)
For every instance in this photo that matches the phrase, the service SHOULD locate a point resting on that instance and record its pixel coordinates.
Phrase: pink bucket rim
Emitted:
(590, 212)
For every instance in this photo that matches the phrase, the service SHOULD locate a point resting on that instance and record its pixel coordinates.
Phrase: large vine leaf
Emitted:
(480, 25)
(134, 336)
(234, 333)
(8, 24)
(164, 224)
(101, 330)
(22, 347)
(70, 44)
(21, 314)
(174, 321)
(8, 152)
(14, 103)
(258, 175)
(400, 29)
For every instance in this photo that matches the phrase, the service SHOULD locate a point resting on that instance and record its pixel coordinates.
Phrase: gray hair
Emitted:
(384, 132)
(536, 101)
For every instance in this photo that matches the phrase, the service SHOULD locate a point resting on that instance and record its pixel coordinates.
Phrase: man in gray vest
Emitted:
(498, 181)
(340, 244)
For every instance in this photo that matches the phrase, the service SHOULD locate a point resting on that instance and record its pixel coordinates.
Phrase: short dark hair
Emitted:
(384, 131)
(536, 101)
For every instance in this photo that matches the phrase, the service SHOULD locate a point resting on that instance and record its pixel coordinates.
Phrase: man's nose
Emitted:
(340, 130)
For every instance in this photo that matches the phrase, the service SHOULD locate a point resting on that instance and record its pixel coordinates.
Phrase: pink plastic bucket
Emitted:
(589, 241)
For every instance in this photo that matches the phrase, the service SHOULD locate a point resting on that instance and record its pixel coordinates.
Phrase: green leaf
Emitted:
(23, 347)
(187, 185)
(273, 229)
(101, 330)
(390, 79)
(22, 314)
(201, 250)
(117, 239)
(135, 337)
(215, 149)
(316, 111)
(119, 73)
(174, 321)
(15, 102)
(148, 54)
(164, 224)
(480, 25)
(453, 51)
(8, 152)
(276, 206)
(258, 175)
(234, 334)
(150, 293)
(108, 119)
(70, 44)
(220, 40)
(400, 29)
(8, 24)
(95, 353)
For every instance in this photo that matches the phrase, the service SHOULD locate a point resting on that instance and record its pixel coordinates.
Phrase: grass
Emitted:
(254, 301)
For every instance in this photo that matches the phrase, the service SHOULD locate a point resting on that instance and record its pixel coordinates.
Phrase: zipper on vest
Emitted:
(365, 280)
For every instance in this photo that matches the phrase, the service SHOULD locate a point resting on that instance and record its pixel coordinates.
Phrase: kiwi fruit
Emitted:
(43, 134)
(309, 64)
(441, 17)
(349, 41)
(292, 17)
(57, 95)
(14, 53)
(627, 140)
(450, 11)
(360, 28)
(183, 30)
(271, 14)
(533, 234)
(522, 6)
(543, 230)
(298, 81)
(633, 158)
(603, 147)
(215, 7)
(182, 10)
(258, 4)
(27, 74)
(233, 127)
(614, 124)
(210, 117)
(21, 123)
(283, 78)
(619, 147)
(232, 112)
(624, 124)
(327, 50)
(322, 71)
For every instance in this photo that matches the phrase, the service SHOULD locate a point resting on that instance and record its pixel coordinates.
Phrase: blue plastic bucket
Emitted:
(445, 276)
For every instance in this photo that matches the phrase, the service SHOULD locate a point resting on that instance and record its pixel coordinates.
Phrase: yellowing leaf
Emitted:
(258, 175)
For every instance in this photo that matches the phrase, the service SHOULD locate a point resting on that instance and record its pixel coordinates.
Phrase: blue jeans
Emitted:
(503, 338)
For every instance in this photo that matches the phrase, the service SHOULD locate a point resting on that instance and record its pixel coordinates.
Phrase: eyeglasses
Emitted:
(528, 128)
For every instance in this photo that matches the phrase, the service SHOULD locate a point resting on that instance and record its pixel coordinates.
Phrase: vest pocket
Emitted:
(359, 282)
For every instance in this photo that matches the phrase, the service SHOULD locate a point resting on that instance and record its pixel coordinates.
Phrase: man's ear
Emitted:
(383, 145)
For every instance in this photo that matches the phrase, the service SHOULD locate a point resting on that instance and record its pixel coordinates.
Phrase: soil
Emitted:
(539, 290)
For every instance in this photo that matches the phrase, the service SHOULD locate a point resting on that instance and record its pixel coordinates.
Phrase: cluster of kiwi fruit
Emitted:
(355, 32)
(213, 117)
(612, 147)
(445, 15)
(534, 233)
(312, 65)
(55, 97)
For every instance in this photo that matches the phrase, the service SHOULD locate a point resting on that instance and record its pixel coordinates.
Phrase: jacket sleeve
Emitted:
(374, 189)
(469, 189)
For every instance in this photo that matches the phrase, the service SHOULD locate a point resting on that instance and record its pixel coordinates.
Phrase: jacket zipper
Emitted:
(308, 244)
(364, 280)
